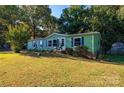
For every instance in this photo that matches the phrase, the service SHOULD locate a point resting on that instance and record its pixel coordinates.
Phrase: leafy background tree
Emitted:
(108, 20)
(74, 20)
(8, 15)
(17, 36)
(38, 18)
(104, 20)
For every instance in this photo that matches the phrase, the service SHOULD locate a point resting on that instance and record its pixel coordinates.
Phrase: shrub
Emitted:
(17, 36)
(100, 56)
(83, 51)
(63, 51)
(51, 51)
(16, 48)
(43, 51)
(69, 51)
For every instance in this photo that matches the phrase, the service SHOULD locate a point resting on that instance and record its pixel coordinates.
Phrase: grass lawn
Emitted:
(115, 58)
(24, 70)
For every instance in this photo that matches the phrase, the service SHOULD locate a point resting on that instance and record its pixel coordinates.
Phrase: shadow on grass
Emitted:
(6, 52)
(48, 55)
(108, 59)
(114, 59)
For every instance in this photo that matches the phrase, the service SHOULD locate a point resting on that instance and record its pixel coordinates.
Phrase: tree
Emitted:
(108, 20)
(104, 20)
(8, 15)
(38, 18)
(120, 15)
(17, 36)
(51, 27)
(2, 35)
(74, 20)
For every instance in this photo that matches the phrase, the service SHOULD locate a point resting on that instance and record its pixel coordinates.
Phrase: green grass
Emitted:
(24, 70)
(115, 58)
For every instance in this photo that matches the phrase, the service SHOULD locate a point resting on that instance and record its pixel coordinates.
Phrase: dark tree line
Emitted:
(39, 19)
(108, 20)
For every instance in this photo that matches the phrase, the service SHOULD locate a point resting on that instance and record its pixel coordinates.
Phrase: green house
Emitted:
(63, 41)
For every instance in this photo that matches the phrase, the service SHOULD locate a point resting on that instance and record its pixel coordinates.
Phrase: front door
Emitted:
(62, 43)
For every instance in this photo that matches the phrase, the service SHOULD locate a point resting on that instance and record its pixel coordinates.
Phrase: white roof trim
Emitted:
(56, 34)
(89, 33)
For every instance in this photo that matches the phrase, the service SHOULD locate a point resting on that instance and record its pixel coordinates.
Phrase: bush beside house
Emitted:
(79, 51)
(17, 36)
(82, 51)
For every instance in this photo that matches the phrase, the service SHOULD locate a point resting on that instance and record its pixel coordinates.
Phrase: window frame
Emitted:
(62, 41)
(74, 41)
(53, 43)
(34, 44)
(49, 44)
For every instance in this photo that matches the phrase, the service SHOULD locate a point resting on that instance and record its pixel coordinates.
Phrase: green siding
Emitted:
(96, 42)
(92, 41)
(88, 41)
(68, 42)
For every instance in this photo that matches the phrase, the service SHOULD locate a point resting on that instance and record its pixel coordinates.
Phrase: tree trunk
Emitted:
(34, 31)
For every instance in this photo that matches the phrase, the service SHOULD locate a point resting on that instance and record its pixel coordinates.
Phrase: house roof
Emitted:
(56, 34)
(67, 35)
(89, 33)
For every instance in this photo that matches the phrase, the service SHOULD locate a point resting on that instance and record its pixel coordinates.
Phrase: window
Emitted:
(77, 41)
(34, 44)
(54, 42)
(41, 43)
(62, 42)
(50, 43)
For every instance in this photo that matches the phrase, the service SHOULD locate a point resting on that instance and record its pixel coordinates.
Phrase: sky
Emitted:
(57, 9)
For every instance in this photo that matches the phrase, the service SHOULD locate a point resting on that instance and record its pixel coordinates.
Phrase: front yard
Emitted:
(24, 70)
